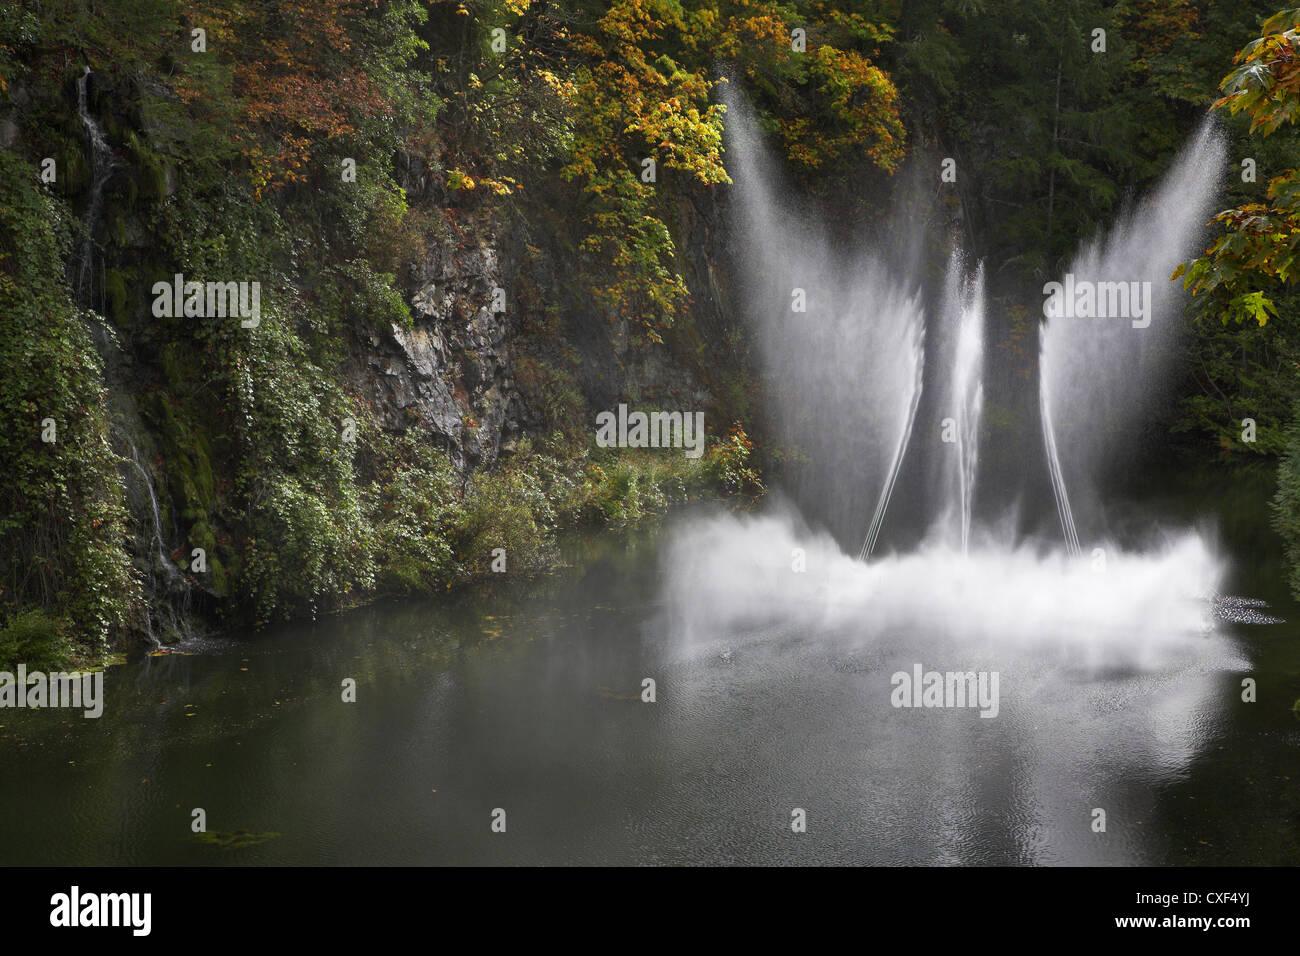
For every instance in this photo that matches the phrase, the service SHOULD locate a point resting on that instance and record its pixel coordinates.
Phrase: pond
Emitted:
(527, 697)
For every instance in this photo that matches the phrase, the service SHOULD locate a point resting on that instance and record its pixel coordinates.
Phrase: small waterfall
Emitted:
(174, 575)
(102, 165)
(169, 590)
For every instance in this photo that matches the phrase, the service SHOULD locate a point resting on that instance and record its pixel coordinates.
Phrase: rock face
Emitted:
(452, 369)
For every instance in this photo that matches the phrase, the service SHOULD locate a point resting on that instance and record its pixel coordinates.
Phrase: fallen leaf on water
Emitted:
(233, 839)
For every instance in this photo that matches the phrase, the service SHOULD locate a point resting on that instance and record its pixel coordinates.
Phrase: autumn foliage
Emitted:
(292, 74)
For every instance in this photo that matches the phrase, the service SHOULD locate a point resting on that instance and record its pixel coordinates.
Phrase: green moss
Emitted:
(218, 579)
(149, 181)
(115, 290)
(404, 575)
(73, 171)
(104, 663)
(115, 225)
(187, 448)
(553, 390)
(201, 536)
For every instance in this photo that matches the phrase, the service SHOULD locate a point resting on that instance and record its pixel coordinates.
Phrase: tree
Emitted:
(1257, 251)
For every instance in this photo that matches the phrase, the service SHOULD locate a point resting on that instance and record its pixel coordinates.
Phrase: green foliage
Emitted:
(410, 505)
(621, 488)
(1049, 134)
(513, 507)
(61, 510)
(291, 529)
(306, 537)
(1258, 250)
(34, 638)
(730, 464)
(1238, 372)
(1249, 345)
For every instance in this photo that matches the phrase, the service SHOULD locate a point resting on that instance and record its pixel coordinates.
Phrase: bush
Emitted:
(34, 638)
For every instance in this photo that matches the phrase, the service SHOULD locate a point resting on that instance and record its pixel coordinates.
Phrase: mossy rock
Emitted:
(116, 228)
(201, 536)
(188, 452)
(218, 579)
(115, 289)
(215, 578)
(73, 173)
(169, 634)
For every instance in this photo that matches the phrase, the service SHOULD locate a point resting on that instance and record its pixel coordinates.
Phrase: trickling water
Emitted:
(102, 164)
(1101, 377)
(173, 584)
(173, 573)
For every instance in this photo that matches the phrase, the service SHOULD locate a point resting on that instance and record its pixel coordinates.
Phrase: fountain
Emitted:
(856, 321)
(1102, 375)
(846, 373)
(1124, 649)
(960, 355)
